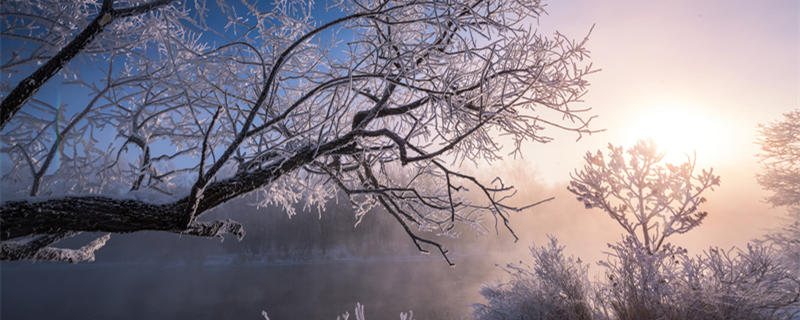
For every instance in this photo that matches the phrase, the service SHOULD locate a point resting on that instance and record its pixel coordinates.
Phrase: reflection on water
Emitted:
(217, 289)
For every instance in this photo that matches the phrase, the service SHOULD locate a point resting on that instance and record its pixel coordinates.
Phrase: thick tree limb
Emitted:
(89, 213)
(105, 214)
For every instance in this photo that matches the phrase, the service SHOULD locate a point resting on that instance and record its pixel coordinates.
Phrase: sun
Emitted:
(681, 130)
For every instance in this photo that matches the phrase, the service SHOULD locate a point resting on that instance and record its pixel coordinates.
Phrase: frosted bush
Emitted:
(756, 282)
(554, 287)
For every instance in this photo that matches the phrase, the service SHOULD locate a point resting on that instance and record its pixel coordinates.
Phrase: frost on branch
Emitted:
(43, 30)
(379, 100)
(650, 200)
(216, 229)
(38, 249)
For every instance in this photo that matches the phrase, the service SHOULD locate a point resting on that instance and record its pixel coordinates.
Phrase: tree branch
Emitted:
(26, 88)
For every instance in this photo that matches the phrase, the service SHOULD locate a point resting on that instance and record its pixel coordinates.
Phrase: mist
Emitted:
(317, 264)
(312, 265)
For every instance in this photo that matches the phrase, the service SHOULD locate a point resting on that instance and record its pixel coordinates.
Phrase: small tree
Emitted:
(650, 200)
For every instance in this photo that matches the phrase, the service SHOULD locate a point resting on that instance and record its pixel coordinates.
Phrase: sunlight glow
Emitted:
(681, 129)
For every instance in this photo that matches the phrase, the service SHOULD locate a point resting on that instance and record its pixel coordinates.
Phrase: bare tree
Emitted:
(650, 200)
(379, 100)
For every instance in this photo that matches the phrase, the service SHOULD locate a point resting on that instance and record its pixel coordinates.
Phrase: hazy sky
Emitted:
(700, 74)
(726, 65)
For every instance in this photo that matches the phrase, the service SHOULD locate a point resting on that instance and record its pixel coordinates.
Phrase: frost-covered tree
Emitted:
(189, 105)
(647, 277)
(780, 158)
(649, 199)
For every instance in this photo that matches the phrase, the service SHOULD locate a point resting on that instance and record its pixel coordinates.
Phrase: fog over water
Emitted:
(300, 268)
(317, 266)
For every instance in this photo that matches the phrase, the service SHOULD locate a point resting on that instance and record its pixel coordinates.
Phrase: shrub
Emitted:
(554, 287)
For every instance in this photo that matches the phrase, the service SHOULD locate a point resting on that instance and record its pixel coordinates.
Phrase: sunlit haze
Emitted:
(696, 76)
(681, 130)
(339, 144)
(722, 67)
